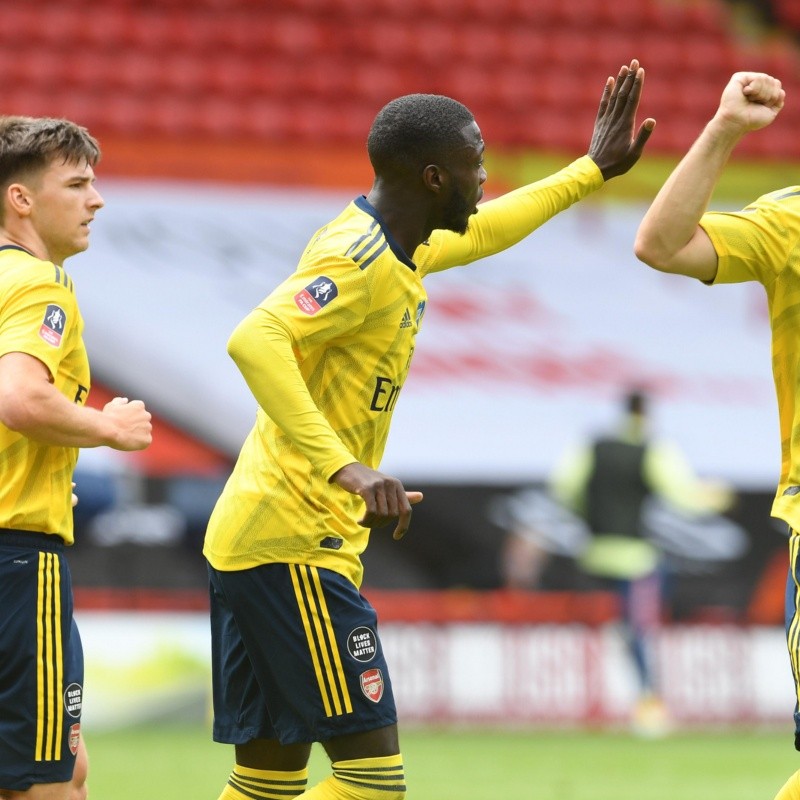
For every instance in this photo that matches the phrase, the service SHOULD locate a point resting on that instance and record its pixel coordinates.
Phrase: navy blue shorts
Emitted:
(295, 656)
(41, 663)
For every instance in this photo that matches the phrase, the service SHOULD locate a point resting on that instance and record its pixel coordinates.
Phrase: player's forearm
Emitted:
(506, 220)
(672, 220)
(40, 412)
(262, 351)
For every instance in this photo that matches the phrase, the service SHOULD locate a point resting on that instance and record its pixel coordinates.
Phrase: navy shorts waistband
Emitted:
(38, 541)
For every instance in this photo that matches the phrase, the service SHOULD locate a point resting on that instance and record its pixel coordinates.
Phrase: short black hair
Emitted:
(636, 402)
(415, 130)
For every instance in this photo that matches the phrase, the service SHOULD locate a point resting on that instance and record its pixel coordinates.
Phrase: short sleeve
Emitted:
(755, 244)
(37, 319)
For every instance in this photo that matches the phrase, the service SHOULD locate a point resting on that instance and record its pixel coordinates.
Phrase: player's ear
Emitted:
(434, 177)
(18, 199)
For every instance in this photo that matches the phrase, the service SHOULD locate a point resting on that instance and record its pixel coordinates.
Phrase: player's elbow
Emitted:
(651, 252)
(15, 413)
(237, 343)
(259, 337)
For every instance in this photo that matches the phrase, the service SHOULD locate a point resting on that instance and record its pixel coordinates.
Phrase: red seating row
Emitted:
(535, 125)
(533, 70)
(703, 68)
(303, 26)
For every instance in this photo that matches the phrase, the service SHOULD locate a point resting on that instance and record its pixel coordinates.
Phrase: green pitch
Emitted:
(181, 762)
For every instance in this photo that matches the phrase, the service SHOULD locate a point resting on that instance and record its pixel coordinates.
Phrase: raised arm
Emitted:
(670, 238)
(502, 222)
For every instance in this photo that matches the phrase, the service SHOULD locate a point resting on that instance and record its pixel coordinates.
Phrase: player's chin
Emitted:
(81, 243)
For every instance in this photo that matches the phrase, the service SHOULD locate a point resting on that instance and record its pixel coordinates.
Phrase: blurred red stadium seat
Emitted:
(228, 74)
(525, 48)
(435, 44)
(22, 26)
(497, 14)
(473, 85)
(42, 71)
(264, 118)
(105, 28)
(534, 15)
(382, 39)
(32, 102)
(374, 84)
(788, 13)
(304, 67)
(475, 43)
(779, 140)
(133, 71)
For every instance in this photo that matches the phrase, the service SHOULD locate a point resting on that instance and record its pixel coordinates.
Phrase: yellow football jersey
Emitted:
(340, 332)
(39, 316)
(762, 243)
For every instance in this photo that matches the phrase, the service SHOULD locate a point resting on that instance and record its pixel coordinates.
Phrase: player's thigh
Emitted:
(367, 744)
(80, 774)
(270, 754)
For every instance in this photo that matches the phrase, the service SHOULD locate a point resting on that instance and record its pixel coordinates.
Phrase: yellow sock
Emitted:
(246, 783)
(791, 789)
(362, 779)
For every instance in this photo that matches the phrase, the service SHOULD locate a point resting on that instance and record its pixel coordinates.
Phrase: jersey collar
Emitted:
(367, 207)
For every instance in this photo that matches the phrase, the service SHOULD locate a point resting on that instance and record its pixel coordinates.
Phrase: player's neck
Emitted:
(403, 215)
(29, 244)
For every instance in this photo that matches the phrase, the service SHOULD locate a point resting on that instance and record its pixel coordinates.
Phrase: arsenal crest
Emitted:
(74, 737)
(372, 684)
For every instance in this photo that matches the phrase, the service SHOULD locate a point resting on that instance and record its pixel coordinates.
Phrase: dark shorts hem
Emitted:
(236, 736)
(18, 783)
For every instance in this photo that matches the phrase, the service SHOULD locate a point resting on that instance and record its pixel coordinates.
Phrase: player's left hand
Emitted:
(384, 496)
(613, 147)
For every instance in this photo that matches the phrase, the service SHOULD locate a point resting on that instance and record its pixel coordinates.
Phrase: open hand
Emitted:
(613, 147)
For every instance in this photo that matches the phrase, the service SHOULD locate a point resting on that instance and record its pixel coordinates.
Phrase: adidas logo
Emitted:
(406, 321)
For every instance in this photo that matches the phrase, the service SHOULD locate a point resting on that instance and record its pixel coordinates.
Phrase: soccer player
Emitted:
(758, 243)
(296, 656)
(48, 203)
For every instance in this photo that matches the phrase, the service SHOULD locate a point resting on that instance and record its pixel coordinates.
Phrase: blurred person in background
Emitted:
(759, 243)
(48, 203)
(296, 656)
(607, 481)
